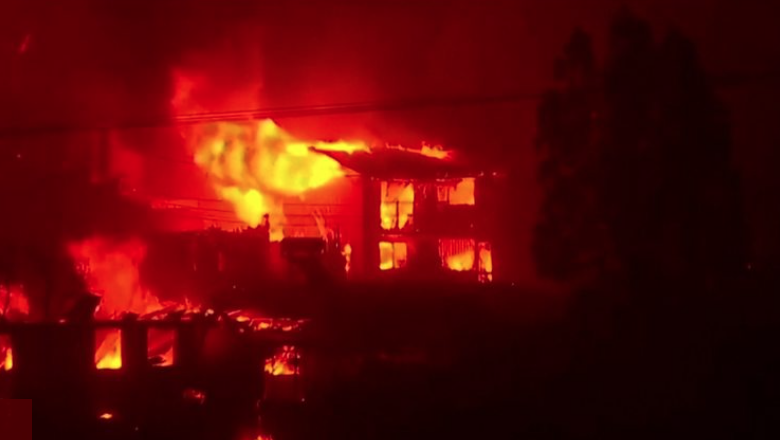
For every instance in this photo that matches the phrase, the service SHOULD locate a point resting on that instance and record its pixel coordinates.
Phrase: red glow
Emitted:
(6, 353)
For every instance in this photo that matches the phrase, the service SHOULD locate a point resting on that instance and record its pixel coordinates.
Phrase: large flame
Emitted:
(255, 165)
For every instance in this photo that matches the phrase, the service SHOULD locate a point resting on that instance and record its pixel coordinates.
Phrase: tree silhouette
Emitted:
(635, 165)
(569, 240)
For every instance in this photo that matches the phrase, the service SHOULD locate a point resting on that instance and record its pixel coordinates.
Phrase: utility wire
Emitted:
(274, 113)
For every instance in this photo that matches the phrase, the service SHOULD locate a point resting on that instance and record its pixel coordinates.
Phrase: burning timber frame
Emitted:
(423, 227)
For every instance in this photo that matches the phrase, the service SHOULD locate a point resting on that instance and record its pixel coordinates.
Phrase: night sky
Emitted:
(98, 62)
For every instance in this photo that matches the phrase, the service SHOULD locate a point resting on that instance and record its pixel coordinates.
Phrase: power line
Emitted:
(276, 113)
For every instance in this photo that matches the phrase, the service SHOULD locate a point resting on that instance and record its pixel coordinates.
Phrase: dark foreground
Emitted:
(503, 364)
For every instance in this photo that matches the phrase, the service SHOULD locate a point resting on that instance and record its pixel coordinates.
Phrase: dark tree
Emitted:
(629, 168)
(635, 165)
(569, 241)
(701, 198)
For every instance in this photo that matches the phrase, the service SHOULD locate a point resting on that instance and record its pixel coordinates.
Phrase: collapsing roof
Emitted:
(396, 163)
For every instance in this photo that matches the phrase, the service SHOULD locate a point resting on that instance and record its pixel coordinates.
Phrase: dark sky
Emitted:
(109, 61)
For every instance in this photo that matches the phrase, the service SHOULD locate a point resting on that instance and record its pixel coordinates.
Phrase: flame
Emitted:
(486, 262)
(436, 152)
(106, 416)
(392, 255)
(461, 262)
(397, 204)
(111, 270)
(6, 354)
(256, 165)
(461, 193)
(108, 351)
(284, 362)
(347, 253)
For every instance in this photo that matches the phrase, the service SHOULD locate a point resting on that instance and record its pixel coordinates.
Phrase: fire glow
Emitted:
(111, 270)
(397, 205)
(284, 362)
(256, 165)
(6, 353)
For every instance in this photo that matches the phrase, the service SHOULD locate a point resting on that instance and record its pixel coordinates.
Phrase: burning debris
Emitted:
(285, 362)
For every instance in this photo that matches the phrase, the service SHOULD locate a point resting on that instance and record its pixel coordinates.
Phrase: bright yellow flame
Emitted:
(283, 363)
(108, 354)
(397, 204)
(392, 255)
(461, 262)
(256, 165)
(106, 416)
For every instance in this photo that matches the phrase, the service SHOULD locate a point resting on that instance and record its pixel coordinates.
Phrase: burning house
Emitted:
(387, 211)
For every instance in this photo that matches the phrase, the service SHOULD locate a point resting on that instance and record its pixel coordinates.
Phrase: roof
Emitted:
(396, 163)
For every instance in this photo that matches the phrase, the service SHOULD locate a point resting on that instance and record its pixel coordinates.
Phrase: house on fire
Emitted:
(419, 215)
(396, 213)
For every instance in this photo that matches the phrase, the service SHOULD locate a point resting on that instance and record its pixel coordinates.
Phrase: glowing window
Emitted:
(392, 255)
(160, 345)
(485, 252)
(461, 193)
(457, 255)
(108, 349)
(397, 205)
(6, 353)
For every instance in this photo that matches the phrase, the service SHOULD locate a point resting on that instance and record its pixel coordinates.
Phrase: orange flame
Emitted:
(108, 349)
(6, 354)
(111, 270)
(461, 262)
(256, 165)
(436, 152)
(486, 262)
(461, 193)
(284, 362)
(392, 255)
(397, 204)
